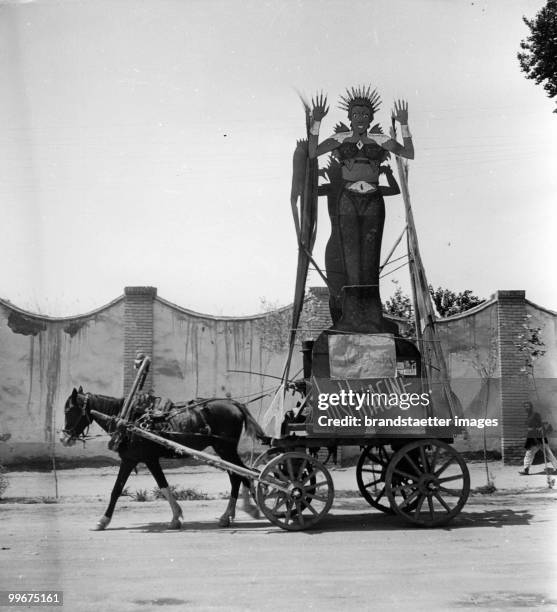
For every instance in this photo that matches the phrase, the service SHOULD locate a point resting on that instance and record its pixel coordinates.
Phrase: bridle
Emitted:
(84, 413)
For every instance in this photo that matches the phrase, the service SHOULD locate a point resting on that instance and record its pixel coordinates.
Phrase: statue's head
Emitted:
(361, 104)
(360, 117)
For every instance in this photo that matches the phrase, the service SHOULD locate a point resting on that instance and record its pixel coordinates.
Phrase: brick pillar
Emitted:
(511, 310)
(138, 333)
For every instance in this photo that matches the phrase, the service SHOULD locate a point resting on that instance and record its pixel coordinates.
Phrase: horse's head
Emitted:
(77, 417)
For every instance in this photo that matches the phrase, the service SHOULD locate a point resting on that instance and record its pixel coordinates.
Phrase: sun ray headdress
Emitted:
(360, 96)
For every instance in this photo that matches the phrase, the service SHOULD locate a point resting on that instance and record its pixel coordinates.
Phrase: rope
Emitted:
(392, 261)
(394, 270)
(388, 258)
(177, 411)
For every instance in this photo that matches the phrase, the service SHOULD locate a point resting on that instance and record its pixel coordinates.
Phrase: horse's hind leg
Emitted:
(247, 506)
(126, 467)
(154, 467)
(229, 514)
(226, 519)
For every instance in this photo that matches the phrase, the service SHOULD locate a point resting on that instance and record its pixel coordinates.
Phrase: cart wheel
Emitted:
(370, 476)
(259, 462)
(309, 493)
(264, 457)
(435, 482)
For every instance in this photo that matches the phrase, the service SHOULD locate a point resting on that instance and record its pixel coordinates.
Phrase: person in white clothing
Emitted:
(536, 440)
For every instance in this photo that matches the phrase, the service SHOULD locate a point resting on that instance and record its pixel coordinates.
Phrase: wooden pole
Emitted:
(410, 229)
(136, 386)
(126, 408)
(426, 334)
(220, 464)
(53, 453)
(180, 449)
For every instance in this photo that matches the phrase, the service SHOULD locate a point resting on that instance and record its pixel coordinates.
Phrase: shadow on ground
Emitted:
(504, 600)
(501, 517)
(365, 521)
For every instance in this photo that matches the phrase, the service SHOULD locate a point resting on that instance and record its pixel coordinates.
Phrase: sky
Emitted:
(150, 143)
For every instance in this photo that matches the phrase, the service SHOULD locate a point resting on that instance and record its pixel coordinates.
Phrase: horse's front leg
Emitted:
(155, 468)
(126, 467)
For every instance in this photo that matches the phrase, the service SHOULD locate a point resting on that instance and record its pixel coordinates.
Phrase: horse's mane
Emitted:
(105, 403)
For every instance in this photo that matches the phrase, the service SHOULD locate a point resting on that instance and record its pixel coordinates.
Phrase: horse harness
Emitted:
(158, 415)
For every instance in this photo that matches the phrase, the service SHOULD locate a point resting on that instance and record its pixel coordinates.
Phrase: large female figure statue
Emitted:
(359, 213)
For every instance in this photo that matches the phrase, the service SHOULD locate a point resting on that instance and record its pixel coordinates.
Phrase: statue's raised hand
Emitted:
(400, 112)
(319, 107)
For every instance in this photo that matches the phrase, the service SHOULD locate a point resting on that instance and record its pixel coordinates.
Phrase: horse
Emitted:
(206, 422)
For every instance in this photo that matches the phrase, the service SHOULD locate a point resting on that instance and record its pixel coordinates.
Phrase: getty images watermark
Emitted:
(368, 403)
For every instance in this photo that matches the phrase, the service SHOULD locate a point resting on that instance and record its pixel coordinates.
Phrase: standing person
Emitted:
(535, 440)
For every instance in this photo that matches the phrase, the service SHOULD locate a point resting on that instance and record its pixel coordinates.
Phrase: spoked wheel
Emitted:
(427, 482)
(371, 472)
(296, 491)
(259, 462)
(264, 457)
(370, 476)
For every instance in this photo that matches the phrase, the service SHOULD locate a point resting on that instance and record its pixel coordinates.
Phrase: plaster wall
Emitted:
(196, 356)
(469, 343)
(41, 360)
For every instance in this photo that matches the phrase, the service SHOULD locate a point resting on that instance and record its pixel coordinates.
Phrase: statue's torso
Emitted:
(360, 156)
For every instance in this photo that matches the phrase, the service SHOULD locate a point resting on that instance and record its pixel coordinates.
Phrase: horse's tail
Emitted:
(253, 429)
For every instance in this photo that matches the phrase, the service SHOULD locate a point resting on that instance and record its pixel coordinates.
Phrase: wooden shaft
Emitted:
(411, 254)
(419, 284)
(101, 415)
(136, 386)
(220, 464)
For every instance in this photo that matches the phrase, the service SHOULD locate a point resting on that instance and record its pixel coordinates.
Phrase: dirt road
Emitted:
(498, 554)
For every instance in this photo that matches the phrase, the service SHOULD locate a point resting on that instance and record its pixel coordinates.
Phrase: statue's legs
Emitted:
(334, 264)
(355, 244)
(361, 221)
(350, 247)
(371, 229)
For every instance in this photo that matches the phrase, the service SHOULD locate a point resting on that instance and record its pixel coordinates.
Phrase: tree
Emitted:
(531, 345)
(449, 303)
(484, 363)
(538, 58)
(399, 305)
(274, 327)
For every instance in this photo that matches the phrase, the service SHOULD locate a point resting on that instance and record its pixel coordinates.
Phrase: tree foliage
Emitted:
(274, 327)
(449, 303)
(531, 346)
(538, 58)
(446, 302)
(400, 304)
